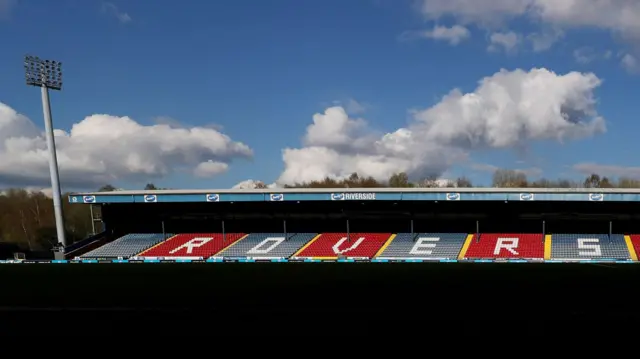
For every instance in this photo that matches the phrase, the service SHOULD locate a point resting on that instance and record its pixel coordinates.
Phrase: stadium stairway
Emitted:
(267, 245)
(334, 245)
(506, 245)
(192, 245)
(126, 246)
(423, 246)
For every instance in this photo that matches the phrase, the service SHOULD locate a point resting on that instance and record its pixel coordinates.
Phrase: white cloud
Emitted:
(354, 107)
(166, 120)
(616, 15)
(453, 35)
(584, 55)
(45, 191)
(588, 168)
(210, 169)
(544, 40)
(112, 9)
(630, 63)
(483, 12)
(248, 184)
(621, 17)
(507, 110)
(508, 41)
(48, 191)
(103, 148)
(252, 184)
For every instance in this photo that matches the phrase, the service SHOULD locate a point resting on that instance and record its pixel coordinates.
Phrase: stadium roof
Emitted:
(361, 190)
(360, 194)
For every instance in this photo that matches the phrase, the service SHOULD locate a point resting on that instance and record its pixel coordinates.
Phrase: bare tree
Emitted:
(430, 181)
(23, 225)
(592, 181)
(399, 180)
(353, 181)
(27, 220)
(107, 188)
(625, 182)
(565, 183)
(260, 185)
(463, 182)
(606, 183)
(509, 179)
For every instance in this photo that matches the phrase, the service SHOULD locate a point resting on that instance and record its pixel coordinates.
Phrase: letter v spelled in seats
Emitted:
(588, 247)
(127, 246)
(424, 246)
(506, 245)
(268, 245)
(192, 245)
(332, 245)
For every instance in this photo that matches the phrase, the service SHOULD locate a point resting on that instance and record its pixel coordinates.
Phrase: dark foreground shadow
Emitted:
(320, 298)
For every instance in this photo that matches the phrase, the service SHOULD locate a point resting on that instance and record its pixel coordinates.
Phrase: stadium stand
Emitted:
(424, 246)
(127, 246)
(506, 245)
(192, 245)
(164, 296)
(354, 245)
(268, 245)
(588, 246)
(401, 246)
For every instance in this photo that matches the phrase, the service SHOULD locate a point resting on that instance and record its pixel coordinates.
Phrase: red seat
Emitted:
(331, 245)
(193, 245)
(507, 245)
(635, 240)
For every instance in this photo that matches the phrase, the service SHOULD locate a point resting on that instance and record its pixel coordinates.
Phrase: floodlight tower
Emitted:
(47, 74)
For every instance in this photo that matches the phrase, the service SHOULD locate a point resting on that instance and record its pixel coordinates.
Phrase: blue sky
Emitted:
(258, 71)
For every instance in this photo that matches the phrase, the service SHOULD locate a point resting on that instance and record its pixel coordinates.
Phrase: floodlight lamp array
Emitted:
(39, 72)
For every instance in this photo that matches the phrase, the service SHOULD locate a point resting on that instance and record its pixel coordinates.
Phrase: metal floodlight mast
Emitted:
(47, 74)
